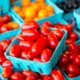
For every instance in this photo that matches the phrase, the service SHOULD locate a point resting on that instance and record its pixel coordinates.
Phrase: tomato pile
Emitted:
(9, 73)
(33, 10)
(6, 23)
(36, 44)
(70, 60)
(3, 46)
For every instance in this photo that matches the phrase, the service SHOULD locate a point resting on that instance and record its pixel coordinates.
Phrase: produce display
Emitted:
(36, 45)
(3, 46)
(39, 40)
(13, 74)
(69, 61)
(33, 10)
(6, 23)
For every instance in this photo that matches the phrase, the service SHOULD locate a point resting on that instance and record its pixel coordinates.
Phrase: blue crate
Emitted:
(14, 19)
(77, 17)
(39, 66)
(58, 12)
(5, 5)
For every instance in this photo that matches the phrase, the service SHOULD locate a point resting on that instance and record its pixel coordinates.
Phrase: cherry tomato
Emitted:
(37, 59)
(74, 69)
(70, 40)
(31, 77)
(7, 63)
(1, 22)
(63, 59)
(15, 50)
(58, 25)
(4, 28)
(46, 77)
(39, 45)
(24, 54)
(73, 35)
(46, 55)
(58, 33)
(2, 59)
(72, 54)
(68, 28)
(77, 60)
(19, 37)
(30, 25)
(26, 45)
(6, 18)
(7, 72)
(71, 75)
(53, 40)
(29, 73)
(30, 34)
(47, 23)
(44, 30)
(72, 46)
(4, 43)
(56, 75)
(1, 53)
(17, 76)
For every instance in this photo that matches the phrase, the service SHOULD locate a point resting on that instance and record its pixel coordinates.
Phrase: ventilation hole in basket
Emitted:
(40, 70)
(19, 66)
(29, 67)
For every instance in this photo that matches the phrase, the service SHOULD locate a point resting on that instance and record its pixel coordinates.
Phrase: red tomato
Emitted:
(53, 40)
(72, 54)
(38, 46)
(19, 37)
(58, 33)
(15, 50)
(70, 40)
(46, 77)
(7, 72)
(2, 59)
(58, 25)
(17, 76)
(26, 45)
(4, 28)
(29, 55)
(30, 34)
(77, 60)
(31, 77)
(72, 46)
(73, 69)
(4, 43)
(1, 22)
(30, 25)
(24, 54)
(71, 75)
(37, 59)
(6, 18)
(68, 28)
(67, 52)
(1, 53)
(44, 30)
(63, 59)
(29, 73)
(47, 23)
(12, 38)
(73, 35)
(7, 63)
(46, 55)
(56, 75)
